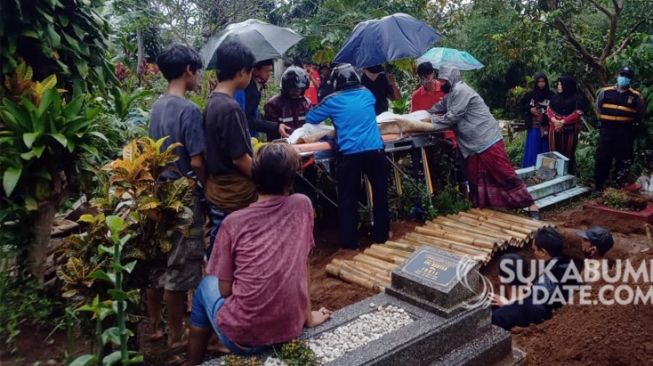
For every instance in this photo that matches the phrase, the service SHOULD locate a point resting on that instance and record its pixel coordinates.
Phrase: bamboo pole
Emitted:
(356, 276)
(462, 248)
(403, 246)
(374, 252)
(337, 271)
(491, 235)
(455, 251)
(426, 240)
(456, 220)
(375, 261)
(499, 222)
(414, 244)
(525, 234)
(514, 218)
(380, 273)
(464, 238)
(397, 252)
(374, 275)
(488, 225)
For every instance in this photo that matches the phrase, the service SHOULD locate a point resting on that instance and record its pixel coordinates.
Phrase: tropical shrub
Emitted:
(154, 209)
(42, 139)
(68, 38)
(118, 335)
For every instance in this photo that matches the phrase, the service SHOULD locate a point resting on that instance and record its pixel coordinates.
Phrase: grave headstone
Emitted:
(438, 280)
(437, 289)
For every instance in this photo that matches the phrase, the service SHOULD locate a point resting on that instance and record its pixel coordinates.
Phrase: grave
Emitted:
(437, 290)
(552, 182)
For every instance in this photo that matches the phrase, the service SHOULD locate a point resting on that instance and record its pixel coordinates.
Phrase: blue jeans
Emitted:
(216, 216)
(207, 301)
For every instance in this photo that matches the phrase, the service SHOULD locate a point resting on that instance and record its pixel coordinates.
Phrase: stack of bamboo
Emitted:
(479, 233)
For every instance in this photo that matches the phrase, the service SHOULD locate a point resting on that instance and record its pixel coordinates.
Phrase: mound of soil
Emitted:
(584, 217)
(597, 334)
(592, 335)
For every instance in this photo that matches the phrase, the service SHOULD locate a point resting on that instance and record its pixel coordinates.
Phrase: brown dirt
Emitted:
(35, 344)
(331, 292)
(599, 334)
(592, 335)
(576, 335)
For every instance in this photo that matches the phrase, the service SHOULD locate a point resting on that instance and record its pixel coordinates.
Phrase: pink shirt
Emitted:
(264, 250)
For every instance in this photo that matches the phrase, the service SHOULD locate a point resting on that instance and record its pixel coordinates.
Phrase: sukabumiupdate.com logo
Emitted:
(548, 283)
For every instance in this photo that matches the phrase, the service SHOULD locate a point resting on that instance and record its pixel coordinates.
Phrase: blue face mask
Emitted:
(623, 81)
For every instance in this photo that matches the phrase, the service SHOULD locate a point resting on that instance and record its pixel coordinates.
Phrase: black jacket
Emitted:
(252, 100)
(536, 98)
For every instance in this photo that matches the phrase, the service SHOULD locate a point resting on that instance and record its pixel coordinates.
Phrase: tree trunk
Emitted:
(140, 55)
(46, 211)
(42, 227)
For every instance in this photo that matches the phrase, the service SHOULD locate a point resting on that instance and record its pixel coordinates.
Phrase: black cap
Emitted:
(600, 237)
(627, 72)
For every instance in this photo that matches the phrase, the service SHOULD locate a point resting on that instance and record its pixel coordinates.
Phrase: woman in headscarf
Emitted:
(533, 106)
(564, 114)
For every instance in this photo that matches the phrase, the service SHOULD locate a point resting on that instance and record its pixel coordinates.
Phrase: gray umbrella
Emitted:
(267, 41)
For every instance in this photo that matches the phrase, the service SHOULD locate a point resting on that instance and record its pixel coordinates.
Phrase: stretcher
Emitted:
(320, 155)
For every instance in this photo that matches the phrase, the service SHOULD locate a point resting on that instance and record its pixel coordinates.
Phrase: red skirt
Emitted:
(493, 181)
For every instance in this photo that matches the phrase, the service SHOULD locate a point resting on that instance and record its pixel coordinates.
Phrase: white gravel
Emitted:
(368, 327)
(330, 345)
(271, 361)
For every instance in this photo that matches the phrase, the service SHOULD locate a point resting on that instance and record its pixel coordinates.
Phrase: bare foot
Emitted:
(219, 348)
(175, 347)
(155, 336)
(177, 360)
(215, 346)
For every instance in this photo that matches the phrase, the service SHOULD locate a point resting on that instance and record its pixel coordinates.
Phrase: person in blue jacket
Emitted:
(361, 151)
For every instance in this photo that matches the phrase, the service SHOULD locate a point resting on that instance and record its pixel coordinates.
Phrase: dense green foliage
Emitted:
(77, 83)
(64, 37)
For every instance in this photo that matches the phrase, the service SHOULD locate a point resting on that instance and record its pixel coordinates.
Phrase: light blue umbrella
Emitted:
(439, 56)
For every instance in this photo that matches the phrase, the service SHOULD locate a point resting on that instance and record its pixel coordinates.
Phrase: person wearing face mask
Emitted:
(492, 179)
(533, 106)
(620, 109)
(291, 105)
(382, 85)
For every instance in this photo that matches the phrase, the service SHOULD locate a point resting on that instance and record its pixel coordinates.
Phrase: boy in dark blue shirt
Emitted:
(181, 121)
(361, 150)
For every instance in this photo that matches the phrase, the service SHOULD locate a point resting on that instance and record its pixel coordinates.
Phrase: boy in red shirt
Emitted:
(429, 93)
(256, 292)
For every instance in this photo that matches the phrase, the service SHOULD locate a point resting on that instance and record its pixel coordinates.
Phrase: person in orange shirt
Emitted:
(429, 92)
(314, 83)
(423, 99)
